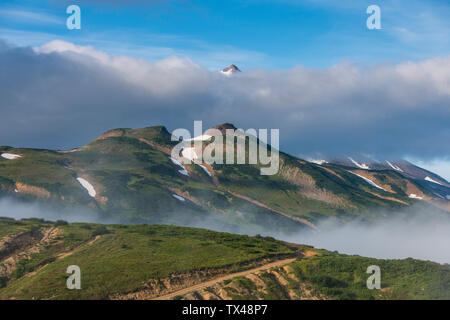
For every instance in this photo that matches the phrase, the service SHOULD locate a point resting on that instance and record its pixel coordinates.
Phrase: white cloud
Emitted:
(390, 109)
(27, 16)
(417, 235)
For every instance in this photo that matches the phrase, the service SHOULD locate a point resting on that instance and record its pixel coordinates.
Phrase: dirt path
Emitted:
(223, 278)
(75, 250)
(64, 255)
(304, 221)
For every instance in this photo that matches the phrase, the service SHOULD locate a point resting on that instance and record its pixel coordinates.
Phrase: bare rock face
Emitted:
(230, 70)
(224, 127)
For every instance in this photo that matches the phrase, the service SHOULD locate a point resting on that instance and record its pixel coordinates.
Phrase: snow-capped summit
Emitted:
(228, 71)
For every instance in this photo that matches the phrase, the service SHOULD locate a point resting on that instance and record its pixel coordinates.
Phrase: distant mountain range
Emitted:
(434, 183)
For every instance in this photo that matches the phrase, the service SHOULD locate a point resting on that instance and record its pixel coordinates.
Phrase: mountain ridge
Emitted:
(136, 180)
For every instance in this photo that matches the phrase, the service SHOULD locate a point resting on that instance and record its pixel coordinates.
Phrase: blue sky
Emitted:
(252, 34)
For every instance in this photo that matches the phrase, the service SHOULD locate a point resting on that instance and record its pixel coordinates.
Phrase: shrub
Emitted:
(100, 230)
(3, 282)
(328, 282)
(61, 223)
(21, 269)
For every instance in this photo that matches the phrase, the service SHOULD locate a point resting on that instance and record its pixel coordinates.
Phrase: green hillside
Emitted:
(146, 261)
(135, 181)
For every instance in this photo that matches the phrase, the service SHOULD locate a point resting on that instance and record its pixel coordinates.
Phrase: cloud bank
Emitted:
(419, 238)
(413, 233)
(61, 96)
(12, 208)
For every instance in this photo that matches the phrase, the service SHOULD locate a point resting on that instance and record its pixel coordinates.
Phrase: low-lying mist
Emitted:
(420, 237)
(12, 208)
(416, 233)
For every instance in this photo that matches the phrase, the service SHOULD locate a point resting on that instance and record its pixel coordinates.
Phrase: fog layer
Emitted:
(420, 237)
(414, 233)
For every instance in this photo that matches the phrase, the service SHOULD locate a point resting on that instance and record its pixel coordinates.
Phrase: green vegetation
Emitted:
(275, 291)
(117, 259)
(339, 276)
(123, 257)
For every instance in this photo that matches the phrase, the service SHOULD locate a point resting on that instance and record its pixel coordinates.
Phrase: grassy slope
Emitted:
(124, 257)
(330, 275)
(343, 276)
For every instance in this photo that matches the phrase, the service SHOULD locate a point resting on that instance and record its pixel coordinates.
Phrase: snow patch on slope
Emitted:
(204, 168)
(87, 186)
(431, 180)
(415, 196)
(369, 181)
(189, 153)
(178, 197)
(11, 156)
(359, 165)
(175, 161)
(178, 163)
(318, 161)
(394, 166)
(203, 137)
